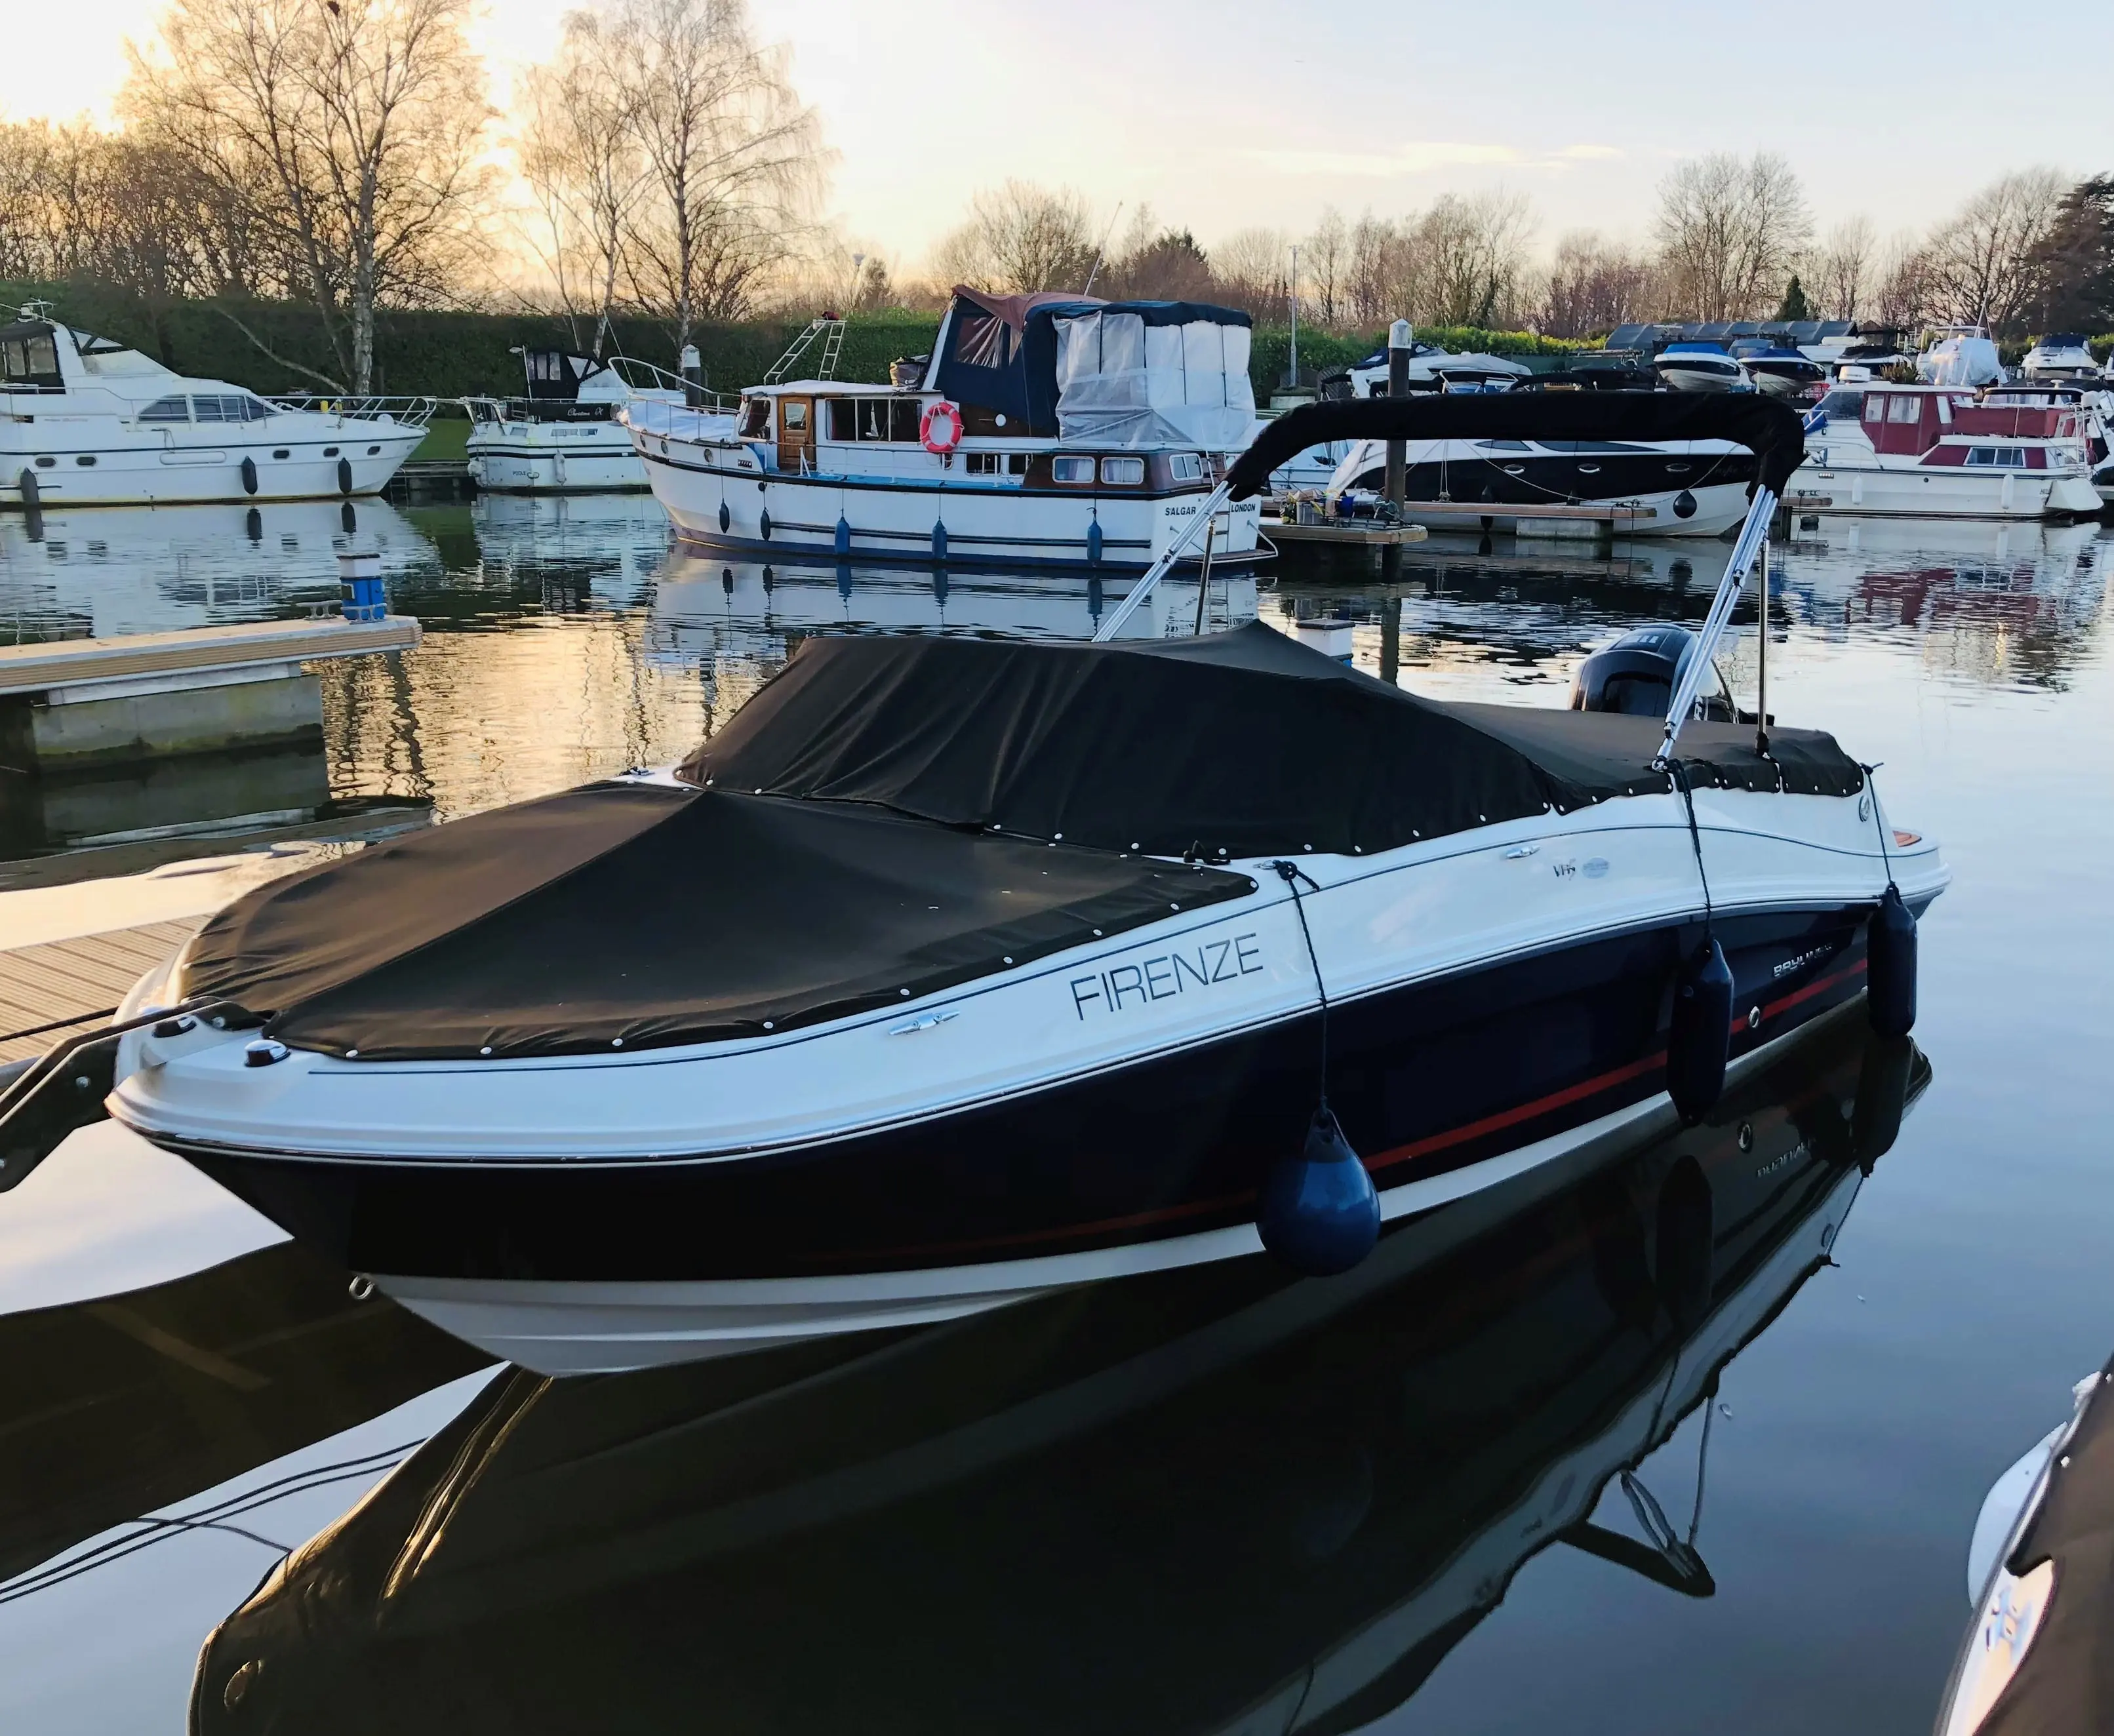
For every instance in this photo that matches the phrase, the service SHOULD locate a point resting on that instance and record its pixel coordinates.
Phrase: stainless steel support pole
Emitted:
(1157, 571)
(1203, 574)
(1762, 662)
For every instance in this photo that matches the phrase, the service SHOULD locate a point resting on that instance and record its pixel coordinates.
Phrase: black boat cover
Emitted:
(629, 916)
(1239, 744)
(1770, 429)
(960, 806)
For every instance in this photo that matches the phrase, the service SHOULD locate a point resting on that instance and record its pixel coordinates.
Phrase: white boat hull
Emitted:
(718, 499)
(1940, 491)
(553, 458)
(132, 472)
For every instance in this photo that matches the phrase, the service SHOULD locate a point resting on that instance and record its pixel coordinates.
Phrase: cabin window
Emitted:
(981, 340)
(1072, 469)
(844, 419)
(1875, 409)
(167, 409)
(904, 418)
(794, 417)
(12, 362)
(1186, 467)
(1998, 457)
(1016, 464)
(230, 409)
(1122, 473)
(41, 354)
(1904, 409)
(986, 464)
(755, 417)
(1850, 406)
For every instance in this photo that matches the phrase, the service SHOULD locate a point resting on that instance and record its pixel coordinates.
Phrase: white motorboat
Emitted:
(565, 435)
(1700, 367)
(1431, 369)
(1779, 370)
(84, 421)
(2061, 355)
(953, 970)
(1049, 431)
(1690, 489)
(1936, 451)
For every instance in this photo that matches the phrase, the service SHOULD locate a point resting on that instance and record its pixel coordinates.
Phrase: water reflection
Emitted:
(97, 571)
(1212, 1499)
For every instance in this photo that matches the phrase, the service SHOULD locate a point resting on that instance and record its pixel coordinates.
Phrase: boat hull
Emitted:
(1445, 1086)
(139, 474)
(762, 513)
(1941, 491)
(559, 457)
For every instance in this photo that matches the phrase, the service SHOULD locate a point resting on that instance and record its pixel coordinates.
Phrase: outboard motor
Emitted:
(1637, 674)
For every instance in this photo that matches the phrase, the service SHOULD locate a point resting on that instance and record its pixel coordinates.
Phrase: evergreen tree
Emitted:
(1794, 305)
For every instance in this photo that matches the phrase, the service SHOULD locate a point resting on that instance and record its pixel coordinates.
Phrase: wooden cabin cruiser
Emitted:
(1342, 1481)
(1936, 451)
(1048, 430)
(951, 970)
(2061, 355)
(1700, 367)
(564, 437)
(84, 421)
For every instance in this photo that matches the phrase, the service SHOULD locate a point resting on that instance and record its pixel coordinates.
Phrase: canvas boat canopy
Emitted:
(1154, 373)
(890, 817)
(1101, 374)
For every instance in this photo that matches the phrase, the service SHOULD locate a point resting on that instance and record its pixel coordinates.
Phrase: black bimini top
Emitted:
(891, 817)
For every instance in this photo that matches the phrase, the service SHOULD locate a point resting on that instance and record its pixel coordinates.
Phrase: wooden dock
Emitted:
(56, 990)
(195, 655)
(1348, 534)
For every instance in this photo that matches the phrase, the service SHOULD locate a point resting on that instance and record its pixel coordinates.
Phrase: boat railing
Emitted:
(676, 421)
(411, 411)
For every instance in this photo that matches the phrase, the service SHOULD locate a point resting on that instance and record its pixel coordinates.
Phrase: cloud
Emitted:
(1588, 153)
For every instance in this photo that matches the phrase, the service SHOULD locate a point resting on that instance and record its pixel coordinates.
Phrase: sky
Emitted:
(1251, 113)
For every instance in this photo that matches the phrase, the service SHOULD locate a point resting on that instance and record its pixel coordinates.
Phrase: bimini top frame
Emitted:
(1773, 431)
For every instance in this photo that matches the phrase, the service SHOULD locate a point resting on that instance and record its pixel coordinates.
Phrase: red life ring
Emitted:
(944, 438)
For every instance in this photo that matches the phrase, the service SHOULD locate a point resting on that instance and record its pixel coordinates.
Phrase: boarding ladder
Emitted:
(830, 330)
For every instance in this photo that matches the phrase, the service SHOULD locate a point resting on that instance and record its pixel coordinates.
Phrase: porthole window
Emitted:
(1122, 473)
(330, 452)
(86, 459)
(46, 463)
(372, 450)
(280, 452)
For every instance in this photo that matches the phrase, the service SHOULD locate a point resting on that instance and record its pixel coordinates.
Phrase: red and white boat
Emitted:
(1943, 452)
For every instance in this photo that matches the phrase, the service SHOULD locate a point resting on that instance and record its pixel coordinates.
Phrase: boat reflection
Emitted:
(708, 605)
(98, 571)
(1215, 1500)
(129, 1404)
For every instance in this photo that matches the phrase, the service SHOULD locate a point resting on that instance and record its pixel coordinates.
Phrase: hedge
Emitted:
(464, 354)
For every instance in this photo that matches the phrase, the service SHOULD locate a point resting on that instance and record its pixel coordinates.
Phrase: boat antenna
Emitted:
(1101, 252)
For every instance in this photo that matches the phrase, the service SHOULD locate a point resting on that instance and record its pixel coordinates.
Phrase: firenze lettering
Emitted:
(1166, 975)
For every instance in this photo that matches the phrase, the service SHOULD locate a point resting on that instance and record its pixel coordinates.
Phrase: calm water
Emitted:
(1419, 1498)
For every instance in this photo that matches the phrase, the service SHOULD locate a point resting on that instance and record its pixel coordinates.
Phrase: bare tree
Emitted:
(1729, 231)
(1594, 285)
(1978, 267)
(1473, 256)
(1324, 263)
(1020, 238)
(736, 160)
(580, 154)
(350, 131)
(1843, 274)
(1903, 297)
(1255, 271)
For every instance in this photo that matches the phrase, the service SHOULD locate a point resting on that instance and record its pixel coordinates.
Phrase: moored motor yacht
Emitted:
(1959, 356)
(1694, 488)
(84, 421)
(564, 437)
(1049, 430)
(2061, 355)
(951, 970)
(1936, 451)
(1700, 367)
(1779, 370)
